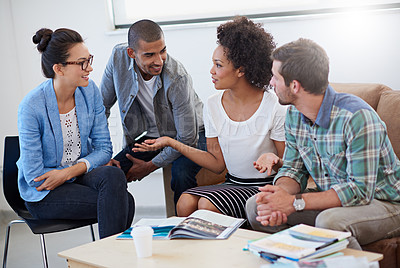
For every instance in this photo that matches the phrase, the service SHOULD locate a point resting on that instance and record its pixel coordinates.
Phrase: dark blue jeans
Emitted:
(101, 193)
(183, 170)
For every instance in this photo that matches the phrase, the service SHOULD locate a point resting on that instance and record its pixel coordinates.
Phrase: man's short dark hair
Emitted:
(305, 61)
(145, 30)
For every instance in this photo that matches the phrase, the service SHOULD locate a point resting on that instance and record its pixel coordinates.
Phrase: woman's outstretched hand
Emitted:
(152, 145)
(266, 162)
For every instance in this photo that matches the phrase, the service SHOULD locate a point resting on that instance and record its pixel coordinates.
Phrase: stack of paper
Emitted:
(341, 261)
(300, 242)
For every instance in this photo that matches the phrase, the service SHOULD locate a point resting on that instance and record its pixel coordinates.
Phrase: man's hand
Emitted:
(52, 179)
(274, 205)
(152, 145)
(275, 219)
(113, 162)
(139, 169)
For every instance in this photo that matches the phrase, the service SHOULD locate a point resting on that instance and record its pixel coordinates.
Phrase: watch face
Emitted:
(299, 204)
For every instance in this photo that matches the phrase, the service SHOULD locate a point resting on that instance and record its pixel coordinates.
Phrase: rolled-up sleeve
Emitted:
(365, 136)
(182, 98)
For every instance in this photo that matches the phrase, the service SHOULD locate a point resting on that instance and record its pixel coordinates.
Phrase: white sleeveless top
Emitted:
(243, 142)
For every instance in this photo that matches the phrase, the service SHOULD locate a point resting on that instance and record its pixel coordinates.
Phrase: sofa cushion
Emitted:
(390, 248)
(389, 111)
(370, 93)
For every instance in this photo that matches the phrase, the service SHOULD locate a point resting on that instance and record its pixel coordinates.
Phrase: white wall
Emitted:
(10, 89)
(362, 48)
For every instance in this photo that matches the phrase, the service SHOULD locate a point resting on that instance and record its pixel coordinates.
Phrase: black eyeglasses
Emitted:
(84, 64)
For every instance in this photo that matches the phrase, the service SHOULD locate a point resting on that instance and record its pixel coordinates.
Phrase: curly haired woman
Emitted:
(244, 123)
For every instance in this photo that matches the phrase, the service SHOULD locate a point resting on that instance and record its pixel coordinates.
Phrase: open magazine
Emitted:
(300, 242)
(201, 224)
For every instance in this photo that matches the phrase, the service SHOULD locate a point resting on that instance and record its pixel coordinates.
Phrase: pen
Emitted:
(273, 257)
(327, 244)
(269, 256)
(141, 135)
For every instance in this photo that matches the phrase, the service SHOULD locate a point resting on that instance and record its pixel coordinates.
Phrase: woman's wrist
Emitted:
(76, 170)
(280, 163)
(170, 142)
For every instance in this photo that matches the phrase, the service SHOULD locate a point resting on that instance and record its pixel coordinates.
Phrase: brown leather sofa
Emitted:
(387, 104)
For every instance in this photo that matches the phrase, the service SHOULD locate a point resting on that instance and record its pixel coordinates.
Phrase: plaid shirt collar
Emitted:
(324, 113)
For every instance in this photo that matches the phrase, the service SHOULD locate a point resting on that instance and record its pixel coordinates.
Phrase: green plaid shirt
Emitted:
(347, 149)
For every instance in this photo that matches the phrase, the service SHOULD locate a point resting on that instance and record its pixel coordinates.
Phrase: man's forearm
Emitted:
(321, 200)
(315, 200)
(289, 185)
(151, 166)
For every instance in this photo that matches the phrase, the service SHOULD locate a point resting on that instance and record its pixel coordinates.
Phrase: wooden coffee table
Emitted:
(110, 252)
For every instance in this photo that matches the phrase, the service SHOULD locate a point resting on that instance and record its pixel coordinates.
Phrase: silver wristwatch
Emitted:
(299, 204)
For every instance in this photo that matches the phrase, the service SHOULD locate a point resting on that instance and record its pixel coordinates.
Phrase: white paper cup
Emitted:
(143, 238)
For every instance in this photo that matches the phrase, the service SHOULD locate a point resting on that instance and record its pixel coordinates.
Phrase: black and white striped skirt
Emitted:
(230, 197)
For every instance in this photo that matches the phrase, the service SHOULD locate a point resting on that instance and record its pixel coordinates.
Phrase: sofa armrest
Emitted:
(168, 193)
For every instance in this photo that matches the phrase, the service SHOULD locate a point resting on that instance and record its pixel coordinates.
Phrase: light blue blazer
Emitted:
(41, 140)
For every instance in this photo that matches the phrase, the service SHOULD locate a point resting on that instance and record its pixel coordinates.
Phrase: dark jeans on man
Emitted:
(183, 170)
(101, 193)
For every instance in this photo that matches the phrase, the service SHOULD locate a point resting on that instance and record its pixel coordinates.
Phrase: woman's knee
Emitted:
(112, 176)
(112, 170)
(187, 204)
(206, 204)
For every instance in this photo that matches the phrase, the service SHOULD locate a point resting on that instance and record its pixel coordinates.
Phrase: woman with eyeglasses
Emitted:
(65, 142)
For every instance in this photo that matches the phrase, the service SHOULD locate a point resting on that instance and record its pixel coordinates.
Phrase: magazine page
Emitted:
(204, 224)
(193, 227)
(172, 221)
(197, 228)
(161, 227)
(216, 218)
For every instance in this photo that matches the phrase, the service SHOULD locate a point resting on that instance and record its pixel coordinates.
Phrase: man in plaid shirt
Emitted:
(338, 140)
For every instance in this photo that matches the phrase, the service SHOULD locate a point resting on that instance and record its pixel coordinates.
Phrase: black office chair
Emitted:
(11, 193)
